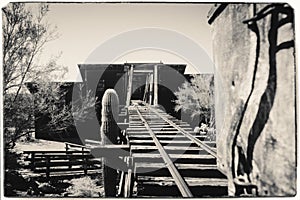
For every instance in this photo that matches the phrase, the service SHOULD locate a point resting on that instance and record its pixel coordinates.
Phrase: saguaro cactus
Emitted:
(109, 133)
(109, 117)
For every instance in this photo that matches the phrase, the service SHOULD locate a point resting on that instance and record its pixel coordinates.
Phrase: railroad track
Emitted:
(169, 159)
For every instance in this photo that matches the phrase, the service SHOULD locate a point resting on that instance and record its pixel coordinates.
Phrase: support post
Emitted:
(146, 89)
(126, 68)
(151, 89)
(155, 101)
(129, 88)
(86, 82)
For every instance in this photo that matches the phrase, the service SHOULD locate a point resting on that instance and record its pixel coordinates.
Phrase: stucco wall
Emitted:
(255, 96)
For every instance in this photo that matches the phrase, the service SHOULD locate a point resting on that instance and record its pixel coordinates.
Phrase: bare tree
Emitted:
(24, 35)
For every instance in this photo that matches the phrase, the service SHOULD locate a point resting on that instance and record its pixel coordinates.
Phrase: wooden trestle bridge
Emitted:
(169, 159)
(164, 158)
(159, 155)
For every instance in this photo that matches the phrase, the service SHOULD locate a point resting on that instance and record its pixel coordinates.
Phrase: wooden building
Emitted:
(154, 83)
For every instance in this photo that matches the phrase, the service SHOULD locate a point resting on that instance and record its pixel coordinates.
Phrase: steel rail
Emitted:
(187, 134)
(180, 182)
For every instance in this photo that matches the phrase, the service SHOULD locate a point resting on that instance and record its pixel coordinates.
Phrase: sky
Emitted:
(84, 27)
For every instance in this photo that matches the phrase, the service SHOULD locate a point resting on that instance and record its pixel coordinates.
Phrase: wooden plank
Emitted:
(154, 129)
(64, 175)
(176, 156)
(123, 125)
(45, 152)
(186, 170)
(165, 191)
(170, 149)
(66, 163)
(162, 136)
(110, 146)
(143, 71)
(110, 150)
(91, 142)
(70, 174)
(156, 132)
(161, 141)
(149, 115)
(136, 147)
(169, 181)
(57, 154)
(43, 170)
(60, 157)
(170, 143)
(158, 125)
(153, 117)
(178, 165)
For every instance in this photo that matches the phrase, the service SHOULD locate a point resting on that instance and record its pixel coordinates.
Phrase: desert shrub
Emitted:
(85, 187)
(196, 98)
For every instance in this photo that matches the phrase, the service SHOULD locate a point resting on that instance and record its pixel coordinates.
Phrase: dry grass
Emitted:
(85, 187)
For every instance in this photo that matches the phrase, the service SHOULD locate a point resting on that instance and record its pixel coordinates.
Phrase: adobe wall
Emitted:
(255, 96)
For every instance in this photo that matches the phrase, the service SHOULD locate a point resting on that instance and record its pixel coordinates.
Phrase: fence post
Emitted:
(48, 166)
(69, 155)
(85, 159)
(32, 161)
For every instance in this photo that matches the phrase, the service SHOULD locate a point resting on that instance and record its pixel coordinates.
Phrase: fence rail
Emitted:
(55, 162)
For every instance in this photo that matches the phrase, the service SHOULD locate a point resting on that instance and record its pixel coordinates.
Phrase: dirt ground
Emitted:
(21, 182)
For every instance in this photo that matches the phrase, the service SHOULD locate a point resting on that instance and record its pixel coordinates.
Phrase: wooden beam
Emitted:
(110, 151)
(155, 101)
(143, 71)
(129, 88)
(151, 89)
(146, 89)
